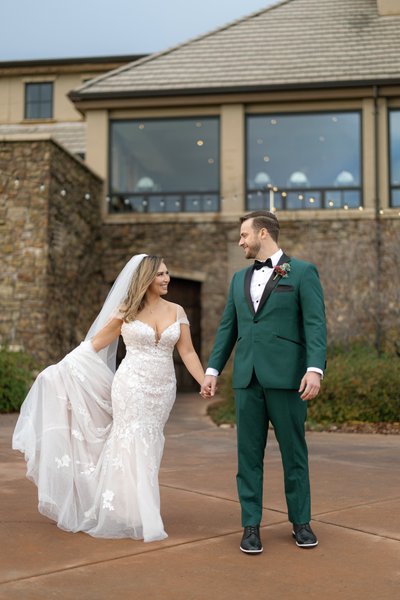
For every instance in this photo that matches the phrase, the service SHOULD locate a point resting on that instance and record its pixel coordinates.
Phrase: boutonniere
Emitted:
(281, 270)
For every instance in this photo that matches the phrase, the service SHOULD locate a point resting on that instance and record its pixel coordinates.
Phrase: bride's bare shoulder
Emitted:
(172, 306)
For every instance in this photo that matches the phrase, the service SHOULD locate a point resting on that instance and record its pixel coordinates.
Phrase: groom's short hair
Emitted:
(264, 219)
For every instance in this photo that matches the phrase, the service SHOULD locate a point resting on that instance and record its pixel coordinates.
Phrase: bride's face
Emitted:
(159, 285)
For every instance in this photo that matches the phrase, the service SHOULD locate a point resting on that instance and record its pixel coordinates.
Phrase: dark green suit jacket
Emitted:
(286, 335)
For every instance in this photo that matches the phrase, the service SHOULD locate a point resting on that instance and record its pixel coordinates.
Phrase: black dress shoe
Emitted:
(304, 536)
(251, 542)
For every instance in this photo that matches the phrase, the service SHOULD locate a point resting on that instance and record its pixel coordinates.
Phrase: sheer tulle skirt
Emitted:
(93, 473)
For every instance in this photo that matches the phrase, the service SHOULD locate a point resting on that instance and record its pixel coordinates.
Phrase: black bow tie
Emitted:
(260, 264)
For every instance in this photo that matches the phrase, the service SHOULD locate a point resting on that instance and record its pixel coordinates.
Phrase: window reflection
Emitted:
(164, 165)
(308, 157)
(394, 129)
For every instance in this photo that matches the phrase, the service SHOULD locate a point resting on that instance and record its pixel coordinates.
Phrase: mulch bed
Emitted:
(357, 427)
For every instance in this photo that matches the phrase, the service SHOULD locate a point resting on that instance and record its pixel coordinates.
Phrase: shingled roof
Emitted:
(294, 43)
(70, 135)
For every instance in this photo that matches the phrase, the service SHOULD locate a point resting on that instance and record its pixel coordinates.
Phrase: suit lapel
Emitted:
(247, 282)
(271, 283)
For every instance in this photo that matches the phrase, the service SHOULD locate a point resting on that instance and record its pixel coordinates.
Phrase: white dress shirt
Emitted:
(259, 280)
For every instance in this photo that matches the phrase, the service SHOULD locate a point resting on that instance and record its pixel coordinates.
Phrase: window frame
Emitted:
(146, 196)
(392, 187)
(39, 103)
(322, 190)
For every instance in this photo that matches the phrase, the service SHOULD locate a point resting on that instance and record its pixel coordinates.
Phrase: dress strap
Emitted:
(181, 316)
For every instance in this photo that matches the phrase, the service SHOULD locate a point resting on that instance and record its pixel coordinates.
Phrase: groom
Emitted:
(275, 316)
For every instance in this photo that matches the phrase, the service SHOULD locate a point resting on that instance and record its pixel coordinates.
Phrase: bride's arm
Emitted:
(188, 354)
(107, 335)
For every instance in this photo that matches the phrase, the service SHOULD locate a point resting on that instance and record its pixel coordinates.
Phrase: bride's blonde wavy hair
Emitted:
(141, 280)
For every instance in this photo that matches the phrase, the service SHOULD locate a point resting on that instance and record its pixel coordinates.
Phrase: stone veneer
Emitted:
(58, 259)
(344, 250)
(50, 248)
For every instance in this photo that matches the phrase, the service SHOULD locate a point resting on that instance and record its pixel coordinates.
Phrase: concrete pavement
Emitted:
(355, 490)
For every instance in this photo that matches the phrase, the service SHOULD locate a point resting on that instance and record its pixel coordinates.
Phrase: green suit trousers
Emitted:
(256, 407)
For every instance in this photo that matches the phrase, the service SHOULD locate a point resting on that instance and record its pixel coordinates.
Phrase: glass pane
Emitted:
(136, 203)
(255, 201)
(304, 154)
(46, 92)
(156, 204)
(32, 92)
(395, 147)
(333, 199)
(173, 203)
(395, 197)
(165, 155)
(394, 127)
(194, 203)
(32, 111)
(116, 204)
(352, 199)
(210, 203)
(45, 110)
(278, 202)
(294, 201)
(312, 200)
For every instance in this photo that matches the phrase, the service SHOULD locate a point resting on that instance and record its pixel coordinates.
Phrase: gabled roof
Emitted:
(293, 43)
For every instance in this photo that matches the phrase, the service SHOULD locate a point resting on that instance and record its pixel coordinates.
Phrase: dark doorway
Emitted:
(187, 293)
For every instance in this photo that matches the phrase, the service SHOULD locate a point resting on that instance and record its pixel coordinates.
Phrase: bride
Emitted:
(93, 439)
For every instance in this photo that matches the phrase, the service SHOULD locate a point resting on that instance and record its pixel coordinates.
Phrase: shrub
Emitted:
(17, 371)
(358, 386)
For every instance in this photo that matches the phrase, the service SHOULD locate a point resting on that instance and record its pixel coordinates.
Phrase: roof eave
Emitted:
(47, 62)
(126, 94)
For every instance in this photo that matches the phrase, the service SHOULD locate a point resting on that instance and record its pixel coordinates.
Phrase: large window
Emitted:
(164, 165)
(304, 161)
(39, 100)
(394, 128)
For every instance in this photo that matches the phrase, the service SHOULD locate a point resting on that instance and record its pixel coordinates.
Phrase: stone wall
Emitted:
(358, 297)
(58, 259)
(360, 293)
(50, 248)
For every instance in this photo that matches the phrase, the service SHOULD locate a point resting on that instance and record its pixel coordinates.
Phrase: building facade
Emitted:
(34, 97)
(295, 108)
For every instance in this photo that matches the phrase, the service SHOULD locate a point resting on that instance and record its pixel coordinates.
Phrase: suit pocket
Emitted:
(281, 337)
(283, 288)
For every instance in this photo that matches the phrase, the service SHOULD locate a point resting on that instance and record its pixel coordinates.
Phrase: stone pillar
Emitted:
(368, 153)
(232, 158)
(50, 248)
(97, 147)
(388, 7)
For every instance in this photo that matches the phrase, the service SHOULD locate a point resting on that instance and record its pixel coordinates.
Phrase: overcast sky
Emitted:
(34, 29)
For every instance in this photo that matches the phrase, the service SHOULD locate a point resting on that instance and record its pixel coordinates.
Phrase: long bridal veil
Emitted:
(66, 418)
(114, 299)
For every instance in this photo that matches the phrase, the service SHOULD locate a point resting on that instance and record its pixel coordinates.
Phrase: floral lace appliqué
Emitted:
(108, 497)
(77, 435)
(64, 461)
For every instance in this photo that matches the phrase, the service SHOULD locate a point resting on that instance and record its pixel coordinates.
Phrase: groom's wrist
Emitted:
(211, 371)
(316, 370)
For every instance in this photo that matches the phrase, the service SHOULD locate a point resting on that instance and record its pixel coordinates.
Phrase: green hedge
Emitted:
(17, 372)
(358, 386)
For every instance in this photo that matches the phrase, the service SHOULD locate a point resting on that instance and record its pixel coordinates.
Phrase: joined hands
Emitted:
(208, 387)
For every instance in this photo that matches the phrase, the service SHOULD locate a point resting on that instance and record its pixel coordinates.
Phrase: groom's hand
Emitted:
(310, 385)
(209, 386)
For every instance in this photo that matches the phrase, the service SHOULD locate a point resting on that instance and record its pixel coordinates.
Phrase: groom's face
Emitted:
(250, 239)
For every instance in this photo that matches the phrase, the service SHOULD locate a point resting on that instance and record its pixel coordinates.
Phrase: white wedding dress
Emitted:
(93, 441)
